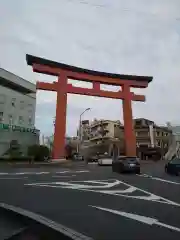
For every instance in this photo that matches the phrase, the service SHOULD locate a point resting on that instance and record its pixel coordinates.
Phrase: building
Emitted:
(101, 135)
(151, 139)
(176, 132)
(17, 111)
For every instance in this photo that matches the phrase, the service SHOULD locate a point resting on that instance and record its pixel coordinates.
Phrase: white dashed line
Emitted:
(12, 178)
(42, 173)
(158, 179)
(64, 176)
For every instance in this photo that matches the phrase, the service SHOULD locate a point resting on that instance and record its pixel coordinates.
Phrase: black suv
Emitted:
(173, 166)
(126, 164)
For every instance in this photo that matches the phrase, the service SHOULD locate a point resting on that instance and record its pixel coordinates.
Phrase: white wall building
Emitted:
(17, 111)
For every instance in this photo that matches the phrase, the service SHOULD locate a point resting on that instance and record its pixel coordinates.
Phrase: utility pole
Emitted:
(80, 130)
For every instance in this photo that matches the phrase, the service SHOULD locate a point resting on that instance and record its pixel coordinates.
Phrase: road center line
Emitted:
(158, 179)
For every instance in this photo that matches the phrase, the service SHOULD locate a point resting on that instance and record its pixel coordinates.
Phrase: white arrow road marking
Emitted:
(105, 187)
(158, 179)
(74, 185)
(142, 219)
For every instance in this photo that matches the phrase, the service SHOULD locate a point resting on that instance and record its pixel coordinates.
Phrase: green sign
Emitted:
(18, 128)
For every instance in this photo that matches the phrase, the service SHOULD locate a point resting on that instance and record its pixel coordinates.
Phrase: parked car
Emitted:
(104, 160)
(126, 164)
(173, 166)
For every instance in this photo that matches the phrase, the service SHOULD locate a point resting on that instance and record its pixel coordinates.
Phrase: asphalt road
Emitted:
(98, 203)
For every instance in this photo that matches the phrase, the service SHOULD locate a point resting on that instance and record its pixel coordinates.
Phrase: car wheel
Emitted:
(138, 171)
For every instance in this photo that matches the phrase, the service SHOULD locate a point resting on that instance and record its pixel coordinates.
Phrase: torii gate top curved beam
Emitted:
(54, 68)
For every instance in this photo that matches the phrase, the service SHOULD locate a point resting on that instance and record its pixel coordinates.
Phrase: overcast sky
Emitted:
(139, 37)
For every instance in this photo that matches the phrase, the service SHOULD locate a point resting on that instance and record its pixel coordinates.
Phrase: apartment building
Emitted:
(102, 135)
(151, 138)
(17, 111)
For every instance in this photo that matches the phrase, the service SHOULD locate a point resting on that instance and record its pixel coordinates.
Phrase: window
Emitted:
(157, 134)
(22, 104)
(13, 102)
(138, 122)
(2, 99)
(30, 108)
(21, 119)
(1, 117)
(158, 143)
(175, 161)
(30, 120)
(10, 119)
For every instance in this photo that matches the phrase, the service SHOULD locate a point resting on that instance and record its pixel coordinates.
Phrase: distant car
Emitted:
(173, 166)
(78, 157)
(126, 164)
(93, 159)
(104, 160)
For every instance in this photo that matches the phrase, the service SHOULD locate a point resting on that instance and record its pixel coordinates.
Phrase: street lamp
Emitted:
(80, 136)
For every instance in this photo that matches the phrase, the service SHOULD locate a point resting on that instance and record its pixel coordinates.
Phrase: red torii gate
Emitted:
(62, 87)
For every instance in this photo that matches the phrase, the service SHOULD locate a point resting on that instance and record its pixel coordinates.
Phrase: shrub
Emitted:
(38, 152)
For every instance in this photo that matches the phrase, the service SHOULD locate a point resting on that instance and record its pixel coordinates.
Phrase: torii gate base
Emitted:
(62, 87)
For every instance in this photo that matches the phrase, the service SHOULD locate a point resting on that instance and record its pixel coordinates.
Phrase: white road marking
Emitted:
(28, 173)
(12, 178)
(64, 176)
(105, 187)
(41, 173)
(139, 218)
(159, 179)
(67, 232)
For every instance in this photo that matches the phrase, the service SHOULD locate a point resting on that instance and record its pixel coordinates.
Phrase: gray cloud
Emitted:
(132, 37)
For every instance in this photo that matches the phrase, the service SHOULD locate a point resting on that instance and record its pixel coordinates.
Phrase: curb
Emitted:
(43, 221)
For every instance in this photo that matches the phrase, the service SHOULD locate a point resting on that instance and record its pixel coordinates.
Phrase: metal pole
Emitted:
(80, 128)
